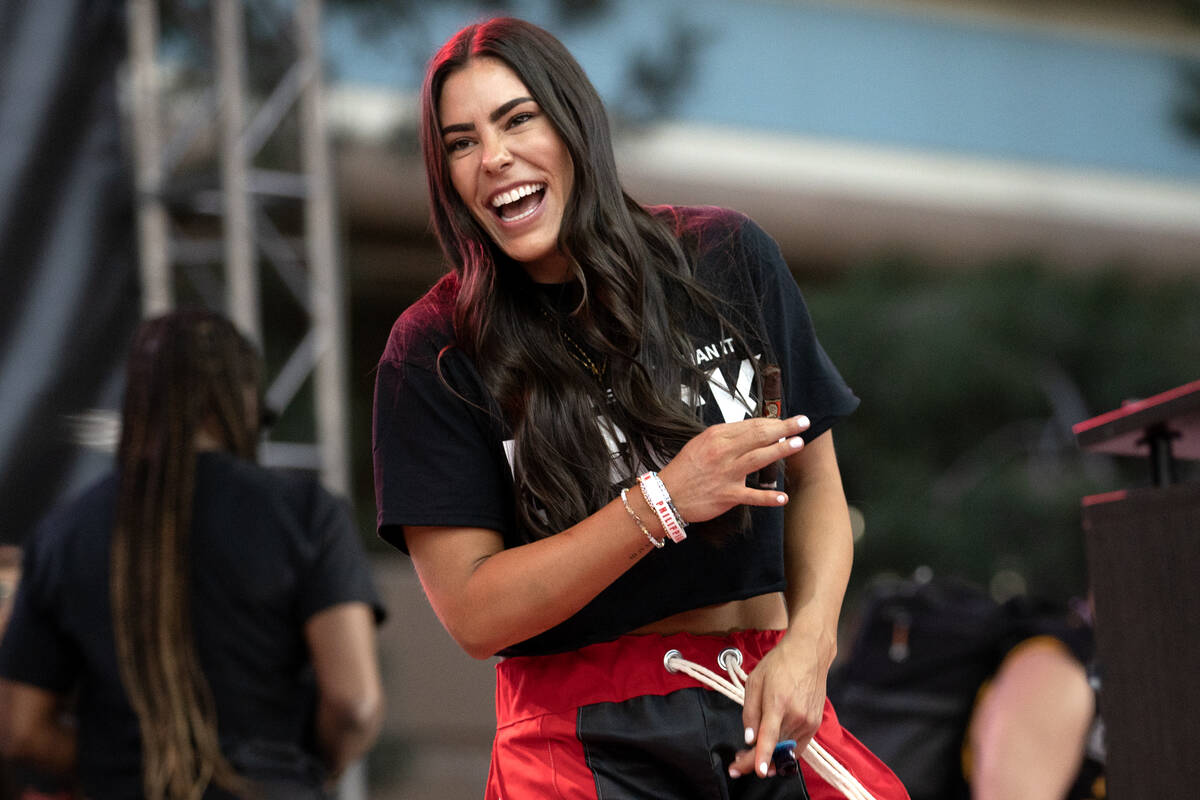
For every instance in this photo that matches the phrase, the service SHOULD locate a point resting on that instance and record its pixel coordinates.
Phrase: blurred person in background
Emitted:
(210, 623)
(1036, 732)
(18, 782)
(591, 377)
(970, 698)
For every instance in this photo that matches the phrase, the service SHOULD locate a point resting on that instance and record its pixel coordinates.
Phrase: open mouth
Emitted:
(517, 204)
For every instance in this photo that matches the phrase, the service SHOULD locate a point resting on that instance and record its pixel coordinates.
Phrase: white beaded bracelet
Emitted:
(638, 520)
(659, 499)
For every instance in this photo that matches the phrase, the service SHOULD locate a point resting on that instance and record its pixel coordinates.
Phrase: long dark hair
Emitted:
(187, 371)
(636, 295)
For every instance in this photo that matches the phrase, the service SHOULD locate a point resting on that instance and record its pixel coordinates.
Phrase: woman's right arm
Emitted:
(490, 598)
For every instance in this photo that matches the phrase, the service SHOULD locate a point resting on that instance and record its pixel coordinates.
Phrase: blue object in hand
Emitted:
(784, 758)
(786, 765)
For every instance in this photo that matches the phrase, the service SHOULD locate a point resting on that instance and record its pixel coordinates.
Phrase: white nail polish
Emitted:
(796, 442)
(781, 499)
(733, 773)
(749, 735)
(762, 769)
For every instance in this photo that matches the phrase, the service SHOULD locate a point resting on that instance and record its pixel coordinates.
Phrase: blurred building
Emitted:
(958, 131)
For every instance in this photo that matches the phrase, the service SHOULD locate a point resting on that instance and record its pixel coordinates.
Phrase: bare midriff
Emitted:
(764, 612)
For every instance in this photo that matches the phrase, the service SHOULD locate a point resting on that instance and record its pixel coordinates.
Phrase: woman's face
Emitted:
(507, 163)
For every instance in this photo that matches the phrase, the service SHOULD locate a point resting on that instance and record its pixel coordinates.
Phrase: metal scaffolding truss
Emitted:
(230, 128)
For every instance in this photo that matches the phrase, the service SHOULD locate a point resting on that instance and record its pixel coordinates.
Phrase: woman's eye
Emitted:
(518, 119)
(457, 145)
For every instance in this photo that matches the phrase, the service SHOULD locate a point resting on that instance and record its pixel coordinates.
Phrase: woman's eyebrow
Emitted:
(509, 106)
(494, 116)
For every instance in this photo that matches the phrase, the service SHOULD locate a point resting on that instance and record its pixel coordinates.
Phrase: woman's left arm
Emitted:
(785, 694)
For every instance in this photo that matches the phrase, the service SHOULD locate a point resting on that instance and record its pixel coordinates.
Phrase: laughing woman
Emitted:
(604, 436)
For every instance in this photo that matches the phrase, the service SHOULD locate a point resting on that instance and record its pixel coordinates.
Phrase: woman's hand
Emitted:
(785, 693)
(708, 476)
(785, 699)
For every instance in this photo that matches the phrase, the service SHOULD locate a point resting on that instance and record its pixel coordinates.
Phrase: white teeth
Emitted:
(513, 195)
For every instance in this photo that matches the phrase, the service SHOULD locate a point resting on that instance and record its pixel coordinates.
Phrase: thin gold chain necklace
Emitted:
(577, 352)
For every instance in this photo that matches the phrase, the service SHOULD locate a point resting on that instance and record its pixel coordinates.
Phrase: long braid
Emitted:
(187, 370)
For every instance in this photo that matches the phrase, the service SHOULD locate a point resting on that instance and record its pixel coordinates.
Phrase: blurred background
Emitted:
(992, 207)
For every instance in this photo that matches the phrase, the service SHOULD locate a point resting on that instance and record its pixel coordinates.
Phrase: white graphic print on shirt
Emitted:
(736, 402)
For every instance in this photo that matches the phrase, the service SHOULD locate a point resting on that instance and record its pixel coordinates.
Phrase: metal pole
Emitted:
(153, 251)
(242, 288)
(1162, 457)
(326, 290)
(327, 307)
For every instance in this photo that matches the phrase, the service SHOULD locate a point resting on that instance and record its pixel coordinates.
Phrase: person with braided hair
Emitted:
(213, 620)
(603, 437)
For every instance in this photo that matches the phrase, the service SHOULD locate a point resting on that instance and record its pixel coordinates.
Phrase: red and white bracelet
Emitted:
(659, 499)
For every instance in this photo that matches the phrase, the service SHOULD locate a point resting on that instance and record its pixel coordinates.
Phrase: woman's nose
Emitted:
(495, 155)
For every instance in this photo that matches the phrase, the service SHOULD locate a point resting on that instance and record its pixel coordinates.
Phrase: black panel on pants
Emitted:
(672, 747)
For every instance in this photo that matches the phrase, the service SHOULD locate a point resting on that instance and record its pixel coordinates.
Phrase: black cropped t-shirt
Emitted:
(442, 458)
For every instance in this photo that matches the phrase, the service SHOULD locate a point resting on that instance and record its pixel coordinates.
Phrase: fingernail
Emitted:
(803, 420)
(796, 442)
(781, 499)
(749, 735)
(762, 769)
(733, 773)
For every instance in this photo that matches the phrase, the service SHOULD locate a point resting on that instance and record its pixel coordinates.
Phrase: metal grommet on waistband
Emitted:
(667, 656)
(729, 653)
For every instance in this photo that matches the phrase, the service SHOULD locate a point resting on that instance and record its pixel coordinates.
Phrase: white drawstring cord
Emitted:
(734, 687)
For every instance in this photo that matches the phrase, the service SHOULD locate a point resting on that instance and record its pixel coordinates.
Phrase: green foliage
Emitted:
(961, 456)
